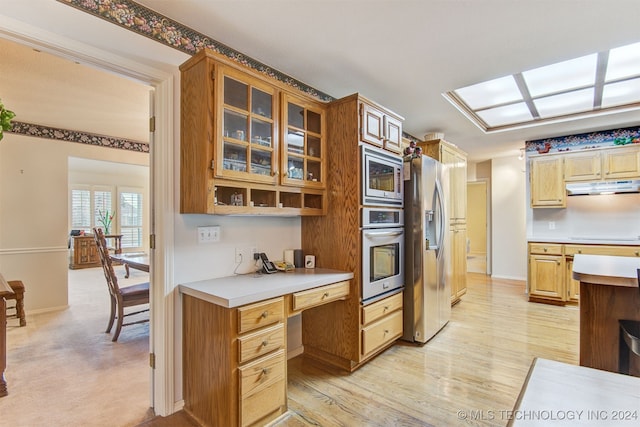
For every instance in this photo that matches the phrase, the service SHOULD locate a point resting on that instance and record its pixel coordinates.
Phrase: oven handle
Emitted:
(383, 233)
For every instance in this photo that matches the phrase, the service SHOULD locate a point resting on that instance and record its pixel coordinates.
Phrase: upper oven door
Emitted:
(381, 178)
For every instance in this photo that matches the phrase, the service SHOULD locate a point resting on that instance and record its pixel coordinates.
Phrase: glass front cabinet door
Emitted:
(247, 124)
(303, 149)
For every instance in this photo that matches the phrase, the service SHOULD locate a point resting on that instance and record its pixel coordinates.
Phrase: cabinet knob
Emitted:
(325, 295)
(386, 307)
(264, 314)
(265, 371)
(265, 343)
(558, 262)
(386, 331)
(579, 251)
(545, 249)
(637, 253)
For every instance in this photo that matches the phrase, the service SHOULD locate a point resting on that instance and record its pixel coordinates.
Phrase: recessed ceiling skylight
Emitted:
(589, 85)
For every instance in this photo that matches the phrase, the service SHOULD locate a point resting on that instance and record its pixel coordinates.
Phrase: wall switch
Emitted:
(209, 234)
(552, 225)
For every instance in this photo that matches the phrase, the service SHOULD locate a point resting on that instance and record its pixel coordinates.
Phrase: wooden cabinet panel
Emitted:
(257, 375)
(621, 163)
(546, 277)
(380, 128)
(582, 166)
(458, 262)
(377, 310)
(84, 253)
(545, 248)
(257, 406)
(321, 295)
(260, 343)
(572, 285)
(383, 331)
(547, 184)
(260, 314)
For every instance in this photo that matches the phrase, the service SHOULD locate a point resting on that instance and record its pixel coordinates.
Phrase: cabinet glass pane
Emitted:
(236, 93)
(235, 125)
(313, 122)
(235, 157)
(295, 168)
(261, 132)
(313, 171)
(313, 146)
(295, 142)
(261, 103)
(295, 114)
(261, 162)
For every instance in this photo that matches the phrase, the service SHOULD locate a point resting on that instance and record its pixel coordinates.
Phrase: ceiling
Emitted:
(403, 54)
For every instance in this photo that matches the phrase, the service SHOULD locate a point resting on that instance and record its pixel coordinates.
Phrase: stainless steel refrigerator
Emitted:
(427, 292)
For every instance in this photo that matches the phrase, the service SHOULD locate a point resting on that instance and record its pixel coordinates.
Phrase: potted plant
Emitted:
(5, 119)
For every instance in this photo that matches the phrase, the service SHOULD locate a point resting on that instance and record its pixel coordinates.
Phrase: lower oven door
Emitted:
(382, 262)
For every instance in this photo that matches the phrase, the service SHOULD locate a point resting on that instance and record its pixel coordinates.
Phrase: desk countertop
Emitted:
(559, 394)
(235, 291)
(606, 270)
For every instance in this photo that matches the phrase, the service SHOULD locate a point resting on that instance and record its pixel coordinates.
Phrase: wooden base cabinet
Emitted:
(234, 362)
(550, 275)
(458, 259)
(84, 253)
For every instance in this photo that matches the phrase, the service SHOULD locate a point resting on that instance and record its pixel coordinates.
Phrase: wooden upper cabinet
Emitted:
(249, 144)
(582, 166)
(547, 183)
(246, 123)
(621, 163)
(303, 143)
(380, 128)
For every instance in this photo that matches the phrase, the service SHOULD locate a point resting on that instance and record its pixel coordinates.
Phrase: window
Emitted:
(86, 204)
(131, 214)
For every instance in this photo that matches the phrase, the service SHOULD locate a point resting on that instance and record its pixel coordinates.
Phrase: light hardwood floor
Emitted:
(473, 368)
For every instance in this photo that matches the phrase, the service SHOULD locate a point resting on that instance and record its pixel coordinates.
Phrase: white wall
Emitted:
(34, 211)
(508, 216)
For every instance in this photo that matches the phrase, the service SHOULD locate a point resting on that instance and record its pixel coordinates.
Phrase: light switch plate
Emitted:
(209, 234)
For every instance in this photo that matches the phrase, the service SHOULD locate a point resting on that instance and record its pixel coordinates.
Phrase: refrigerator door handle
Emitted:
(442, 222)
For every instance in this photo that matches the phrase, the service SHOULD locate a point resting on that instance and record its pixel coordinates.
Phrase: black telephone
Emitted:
(267, 266)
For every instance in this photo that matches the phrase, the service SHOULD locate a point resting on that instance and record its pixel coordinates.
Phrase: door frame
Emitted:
(161, 163)
(487, 185)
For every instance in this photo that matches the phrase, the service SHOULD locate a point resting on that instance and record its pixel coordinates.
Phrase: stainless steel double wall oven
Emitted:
(382, 224)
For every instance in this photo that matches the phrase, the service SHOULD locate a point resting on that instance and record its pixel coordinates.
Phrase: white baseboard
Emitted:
(521, 279)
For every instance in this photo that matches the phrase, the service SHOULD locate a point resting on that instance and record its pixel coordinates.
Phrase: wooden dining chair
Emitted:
(121, 298)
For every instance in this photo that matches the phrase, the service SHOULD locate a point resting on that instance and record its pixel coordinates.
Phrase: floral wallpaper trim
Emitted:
(39, 131)
(144, 21)
(597, 139)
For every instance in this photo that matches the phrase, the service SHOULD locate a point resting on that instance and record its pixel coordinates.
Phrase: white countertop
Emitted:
(559, 394)
(242, 289)
(606, 270)
(588, 240)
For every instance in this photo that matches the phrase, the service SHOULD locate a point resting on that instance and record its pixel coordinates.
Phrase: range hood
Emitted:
(603, 187)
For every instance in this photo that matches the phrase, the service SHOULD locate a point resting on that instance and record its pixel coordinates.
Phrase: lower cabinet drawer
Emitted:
(381, 332)
(545, 248)
(321, 295)
(260, 374)
(260, 343)
(260, 314)
(570, 250)
(262, 403)
(381, 308)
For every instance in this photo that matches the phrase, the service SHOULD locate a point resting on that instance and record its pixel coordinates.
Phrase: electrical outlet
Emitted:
(239, 255)
(209, 234)
(552, 225)
(245, 254)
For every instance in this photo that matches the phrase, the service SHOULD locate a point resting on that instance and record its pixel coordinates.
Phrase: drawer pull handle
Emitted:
(325, 295)
(264, 314)
(545, 249)
(265, 343)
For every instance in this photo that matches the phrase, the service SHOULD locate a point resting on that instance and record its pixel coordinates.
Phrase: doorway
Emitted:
(477, 245)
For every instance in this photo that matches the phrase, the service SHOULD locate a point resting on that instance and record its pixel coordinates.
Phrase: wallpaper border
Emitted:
(47, 132)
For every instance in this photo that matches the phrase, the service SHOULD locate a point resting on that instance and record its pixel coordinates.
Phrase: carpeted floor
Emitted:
(63, 369)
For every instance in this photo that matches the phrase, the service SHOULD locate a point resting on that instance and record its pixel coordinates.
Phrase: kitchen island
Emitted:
(234, 341)
(608, 292)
